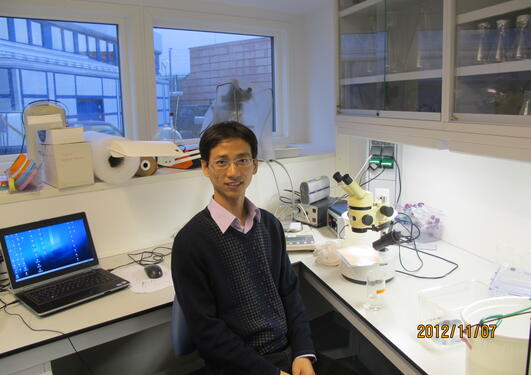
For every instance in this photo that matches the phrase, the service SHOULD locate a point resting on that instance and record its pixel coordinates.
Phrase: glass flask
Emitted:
(502, 52)
(167, 133)
(523, 41)
(482, 53)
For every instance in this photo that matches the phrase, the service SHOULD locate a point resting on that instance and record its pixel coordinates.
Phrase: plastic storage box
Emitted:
(443, 305)
(427, 219)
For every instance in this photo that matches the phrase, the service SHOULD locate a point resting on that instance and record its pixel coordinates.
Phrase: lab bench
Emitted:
(392, 330)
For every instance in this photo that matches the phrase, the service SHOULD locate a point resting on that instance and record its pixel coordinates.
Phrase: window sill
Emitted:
(163, 174)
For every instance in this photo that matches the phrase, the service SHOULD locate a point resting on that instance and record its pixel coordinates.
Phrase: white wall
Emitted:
(487, 201)
(140, 215)
(320, 59)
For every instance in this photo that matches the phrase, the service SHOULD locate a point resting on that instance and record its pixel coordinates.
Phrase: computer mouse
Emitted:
(153, 271)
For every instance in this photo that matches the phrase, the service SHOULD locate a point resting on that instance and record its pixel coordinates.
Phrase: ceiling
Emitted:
(286, 6)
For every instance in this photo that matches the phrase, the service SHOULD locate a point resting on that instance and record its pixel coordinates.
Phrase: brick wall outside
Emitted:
(218, 63)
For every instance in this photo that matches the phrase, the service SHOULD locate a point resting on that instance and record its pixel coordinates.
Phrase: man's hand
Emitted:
(283, 373)
(302, 366)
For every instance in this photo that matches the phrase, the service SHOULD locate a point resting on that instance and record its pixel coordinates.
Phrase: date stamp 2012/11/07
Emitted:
(428, 331)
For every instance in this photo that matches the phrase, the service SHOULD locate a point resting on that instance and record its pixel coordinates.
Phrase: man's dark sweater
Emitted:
(239, 294)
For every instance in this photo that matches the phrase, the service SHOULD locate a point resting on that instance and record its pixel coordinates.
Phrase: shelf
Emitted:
(359, 7)
(495, 68)
(492, 11)
(162, 175)
(408, 76)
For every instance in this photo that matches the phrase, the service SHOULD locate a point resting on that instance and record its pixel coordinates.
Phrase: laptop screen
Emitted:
(40, 250)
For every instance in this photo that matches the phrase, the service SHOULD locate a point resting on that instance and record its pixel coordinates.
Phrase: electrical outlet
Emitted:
(381, 195)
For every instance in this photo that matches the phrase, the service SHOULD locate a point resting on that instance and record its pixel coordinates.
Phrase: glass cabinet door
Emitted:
(493, 57)
(390, 55)
(362, 54)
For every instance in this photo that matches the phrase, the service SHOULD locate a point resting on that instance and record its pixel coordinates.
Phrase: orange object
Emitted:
(183, 165)
(19, 162)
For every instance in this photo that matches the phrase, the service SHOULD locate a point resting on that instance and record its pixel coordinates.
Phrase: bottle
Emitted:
(393, 61)
(372, 47)
(523, 41)
(502, 41)
(482, 53)
(426, 47)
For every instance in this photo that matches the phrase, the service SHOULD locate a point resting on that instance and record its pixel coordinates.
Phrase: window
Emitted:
(90, 109)
(36, 33)
(190, 66)
(69, 40)
(89, 91)
(21, 30)
(103, 50)
(110, 53)
(82, 43)
(57, 39)
(92, 46)
(4, 34)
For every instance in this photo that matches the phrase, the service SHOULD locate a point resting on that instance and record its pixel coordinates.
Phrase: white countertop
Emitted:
(115, 307)
(399, 319)
(107, 318)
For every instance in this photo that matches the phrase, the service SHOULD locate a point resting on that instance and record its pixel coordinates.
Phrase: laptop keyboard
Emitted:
(67, 287)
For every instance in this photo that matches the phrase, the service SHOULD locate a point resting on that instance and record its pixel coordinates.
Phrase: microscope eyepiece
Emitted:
(337, 176)
(347, 179)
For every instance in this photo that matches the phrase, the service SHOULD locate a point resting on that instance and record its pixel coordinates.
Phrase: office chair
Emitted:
(180, 336)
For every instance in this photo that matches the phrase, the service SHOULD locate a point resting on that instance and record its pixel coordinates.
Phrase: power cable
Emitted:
(399, 181)
(374, 178)
(411, 238)
(4, 307)
(145, 257)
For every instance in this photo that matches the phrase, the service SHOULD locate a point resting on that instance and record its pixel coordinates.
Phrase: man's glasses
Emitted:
(224, 164)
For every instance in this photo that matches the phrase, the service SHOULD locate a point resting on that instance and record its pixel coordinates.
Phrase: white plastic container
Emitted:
(506, 352)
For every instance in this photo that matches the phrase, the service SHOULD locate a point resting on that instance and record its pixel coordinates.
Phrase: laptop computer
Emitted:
(52, 264)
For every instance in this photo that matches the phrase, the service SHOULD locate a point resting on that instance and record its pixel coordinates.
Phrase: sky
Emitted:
(181, 40)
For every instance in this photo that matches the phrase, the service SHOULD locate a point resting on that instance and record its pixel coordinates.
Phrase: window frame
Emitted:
(179, 20)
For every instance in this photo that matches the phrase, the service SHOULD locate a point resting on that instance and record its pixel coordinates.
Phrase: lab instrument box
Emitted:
(314, 214)
(61, 135)
(67, 165)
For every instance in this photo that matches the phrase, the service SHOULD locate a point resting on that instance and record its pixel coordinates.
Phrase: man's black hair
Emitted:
(222, 131)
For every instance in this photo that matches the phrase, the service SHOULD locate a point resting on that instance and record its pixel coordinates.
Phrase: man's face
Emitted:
(231, 182)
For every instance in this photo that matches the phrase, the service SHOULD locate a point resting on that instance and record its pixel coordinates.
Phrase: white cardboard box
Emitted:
(60, 136)
(67, 165)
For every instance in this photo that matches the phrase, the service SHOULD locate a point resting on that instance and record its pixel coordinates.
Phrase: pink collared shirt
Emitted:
(225, 219)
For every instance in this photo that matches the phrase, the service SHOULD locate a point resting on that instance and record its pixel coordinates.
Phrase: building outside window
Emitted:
(74, 63)
(189, 66)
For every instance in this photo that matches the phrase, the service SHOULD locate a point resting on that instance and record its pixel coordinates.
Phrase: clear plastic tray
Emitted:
(443, 305)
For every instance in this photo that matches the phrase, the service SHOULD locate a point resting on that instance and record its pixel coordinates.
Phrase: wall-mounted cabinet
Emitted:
(492, 59)
(391, 56)
(435, 70)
